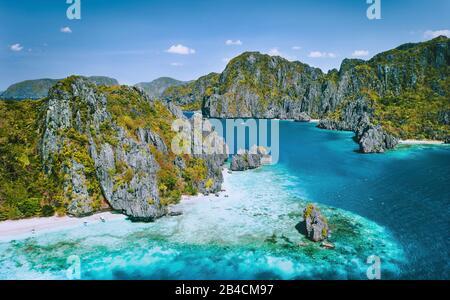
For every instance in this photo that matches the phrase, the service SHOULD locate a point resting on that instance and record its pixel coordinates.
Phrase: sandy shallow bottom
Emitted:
(248, 232)
(20, 229)
(421, 142)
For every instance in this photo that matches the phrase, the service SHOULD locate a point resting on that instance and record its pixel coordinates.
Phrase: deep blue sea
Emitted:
(407, 190)
(394, 206)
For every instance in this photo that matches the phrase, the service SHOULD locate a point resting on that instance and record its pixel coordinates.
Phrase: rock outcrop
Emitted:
(356, 116)
(247, 160)
(302, 117)
(373, 139)
(315, 225)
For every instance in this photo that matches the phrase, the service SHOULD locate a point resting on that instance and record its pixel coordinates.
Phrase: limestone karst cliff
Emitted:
(398, 94)
(85, 148)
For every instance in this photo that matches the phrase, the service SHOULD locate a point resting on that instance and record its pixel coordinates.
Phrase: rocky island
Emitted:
(248, 159)
(314, 225)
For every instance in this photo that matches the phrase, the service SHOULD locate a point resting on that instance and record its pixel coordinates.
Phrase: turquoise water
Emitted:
(394, 206)
(407, 190)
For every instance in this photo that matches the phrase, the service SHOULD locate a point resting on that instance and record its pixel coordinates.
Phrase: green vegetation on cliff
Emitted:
(131, 112)
(194, 106)
(56, 153)
(25, 190)
(417, 89)
(268, 79)
(190, 96)
(406, 88)
(413, 115)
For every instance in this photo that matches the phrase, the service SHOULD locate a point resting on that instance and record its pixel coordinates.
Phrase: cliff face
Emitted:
(401, 93)
(106, 168)
(255, 85)
(101, 147)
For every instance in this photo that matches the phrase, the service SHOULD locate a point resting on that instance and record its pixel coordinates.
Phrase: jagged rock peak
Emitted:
(315, 225)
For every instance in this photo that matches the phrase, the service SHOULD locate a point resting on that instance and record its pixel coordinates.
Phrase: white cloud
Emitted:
(296, 48)
(430, 34)
(66, 30)
(360, 53)
(315, 54)
(175, 64)
(16, 47)
(276, 52)
(180, 49)
(318, 54)
(233, 43)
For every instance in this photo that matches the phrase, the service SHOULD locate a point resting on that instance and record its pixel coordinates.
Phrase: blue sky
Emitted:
(130, 40)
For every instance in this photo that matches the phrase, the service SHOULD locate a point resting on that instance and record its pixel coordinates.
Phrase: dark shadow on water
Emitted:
(301, 228)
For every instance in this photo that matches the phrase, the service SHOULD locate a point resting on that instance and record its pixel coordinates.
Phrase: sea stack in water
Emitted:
(316, 226)
(247, 160)
(302, 117)
(373, 139)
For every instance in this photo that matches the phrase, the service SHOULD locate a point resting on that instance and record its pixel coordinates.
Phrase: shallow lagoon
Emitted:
(380, 205)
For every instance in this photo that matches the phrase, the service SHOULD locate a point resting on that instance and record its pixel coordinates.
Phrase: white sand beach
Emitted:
(421, 142)
(314, 121)
(19, 228)
(226, 173)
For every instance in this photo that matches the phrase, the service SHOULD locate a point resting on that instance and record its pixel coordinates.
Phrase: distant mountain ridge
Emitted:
(156, 88)
(103, 80)
(38, 88)
(29, 89)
